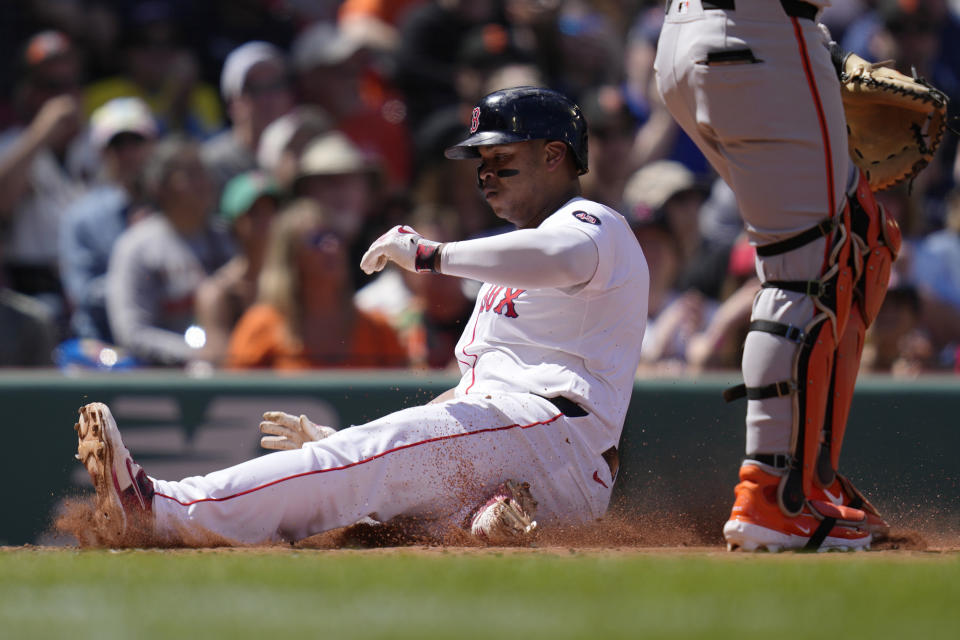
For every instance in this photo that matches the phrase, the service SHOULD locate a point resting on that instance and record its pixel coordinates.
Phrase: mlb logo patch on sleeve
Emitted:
(583, 216)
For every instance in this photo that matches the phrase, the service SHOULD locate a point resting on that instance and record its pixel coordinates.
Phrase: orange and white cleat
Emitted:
(757, 523)
(841, 492)
(124, 492)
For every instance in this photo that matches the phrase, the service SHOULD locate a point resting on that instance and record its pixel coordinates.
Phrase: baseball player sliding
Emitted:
(547, 362)
(755, 84)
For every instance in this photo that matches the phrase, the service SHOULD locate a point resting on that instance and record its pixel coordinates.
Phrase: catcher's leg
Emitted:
(787, 365)
(796, 323)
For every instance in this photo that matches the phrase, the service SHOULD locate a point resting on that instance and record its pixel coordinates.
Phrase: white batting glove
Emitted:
(404, 246)
(285, 431)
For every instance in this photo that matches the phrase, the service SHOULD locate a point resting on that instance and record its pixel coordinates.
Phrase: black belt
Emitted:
(793, 8)
(571, 409)
(566, 406)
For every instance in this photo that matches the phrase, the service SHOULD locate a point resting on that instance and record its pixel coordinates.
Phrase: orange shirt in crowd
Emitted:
(260, 340)
(390, 11)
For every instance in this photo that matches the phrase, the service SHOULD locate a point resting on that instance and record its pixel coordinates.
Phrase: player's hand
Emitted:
(400, 245)
(58, 118)
(284, 431)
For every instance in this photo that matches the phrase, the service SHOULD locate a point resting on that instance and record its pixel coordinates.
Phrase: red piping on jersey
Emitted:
(364, 461)
(824, 133)
(473, 336)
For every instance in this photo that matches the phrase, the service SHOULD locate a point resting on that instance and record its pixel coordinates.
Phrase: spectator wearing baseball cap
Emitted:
(284, 140)
(122, 131)
(375, 22)
(643, 200)
(335, 173)
(255, 87)
(335, 72)
(671, 190)
(612, 129)
(248, 206)
(45, 165)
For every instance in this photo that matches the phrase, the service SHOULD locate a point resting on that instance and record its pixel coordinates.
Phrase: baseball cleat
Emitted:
(124, 492)
(507, 517)
(841, 492)
(757, 523)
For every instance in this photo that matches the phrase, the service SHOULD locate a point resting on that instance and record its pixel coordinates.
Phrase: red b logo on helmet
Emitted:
(475, 122)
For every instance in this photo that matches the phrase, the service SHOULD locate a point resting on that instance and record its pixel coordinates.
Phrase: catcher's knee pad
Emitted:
(813, 364)
(877, 238)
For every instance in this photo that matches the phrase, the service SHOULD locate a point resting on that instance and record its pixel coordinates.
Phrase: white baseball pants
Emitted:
(437, 462)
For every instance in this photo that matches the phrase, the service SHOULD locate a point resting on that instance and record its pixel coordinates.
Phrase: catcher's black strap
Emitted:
(826, 525)
(838, 56)
(793, 8)
(776, 460)
(822, 228)
(777, 389)
(788, 331)
(812, 288)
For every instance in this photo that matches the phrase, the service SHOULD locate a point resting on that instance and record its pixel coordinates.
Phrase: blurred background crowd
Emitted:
(192, 183)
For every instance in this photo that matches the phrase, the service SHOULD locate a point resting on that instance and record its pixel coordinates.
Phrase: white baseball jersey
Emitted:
(593, 335)
(439, 461)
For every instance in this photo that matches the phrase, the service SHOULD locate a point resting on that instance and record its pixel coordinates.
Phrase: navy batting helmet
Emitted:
(525, 113)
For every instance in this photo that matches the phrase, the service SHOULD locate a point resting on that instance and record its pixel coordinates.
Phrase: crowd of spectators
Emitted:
(191, 184)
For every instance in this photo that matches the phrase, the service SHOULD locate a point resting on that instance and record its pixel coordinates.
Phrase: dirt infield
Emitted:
(651, 532)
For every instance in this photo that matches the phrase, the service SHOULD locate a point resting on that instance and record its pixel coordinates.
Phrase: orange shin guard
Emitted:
(812, 366)
(877, 238)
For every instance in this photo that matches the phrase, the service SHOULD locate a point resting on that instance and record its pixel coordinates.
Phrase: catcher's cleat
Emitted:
(124, 492)
(507, 517)
(757, 522)
(841, 492)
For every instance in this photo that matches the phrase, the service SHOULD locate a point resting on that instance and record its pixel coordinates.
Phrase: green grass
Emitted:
(491, 595)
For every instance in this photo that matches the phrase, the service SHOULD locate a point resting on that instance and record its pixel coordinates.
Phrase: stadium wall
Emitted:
(680, 449)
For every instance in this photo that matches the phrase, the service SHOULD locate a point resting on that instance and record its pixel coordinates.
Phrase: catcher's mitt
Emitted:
(894, 122)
